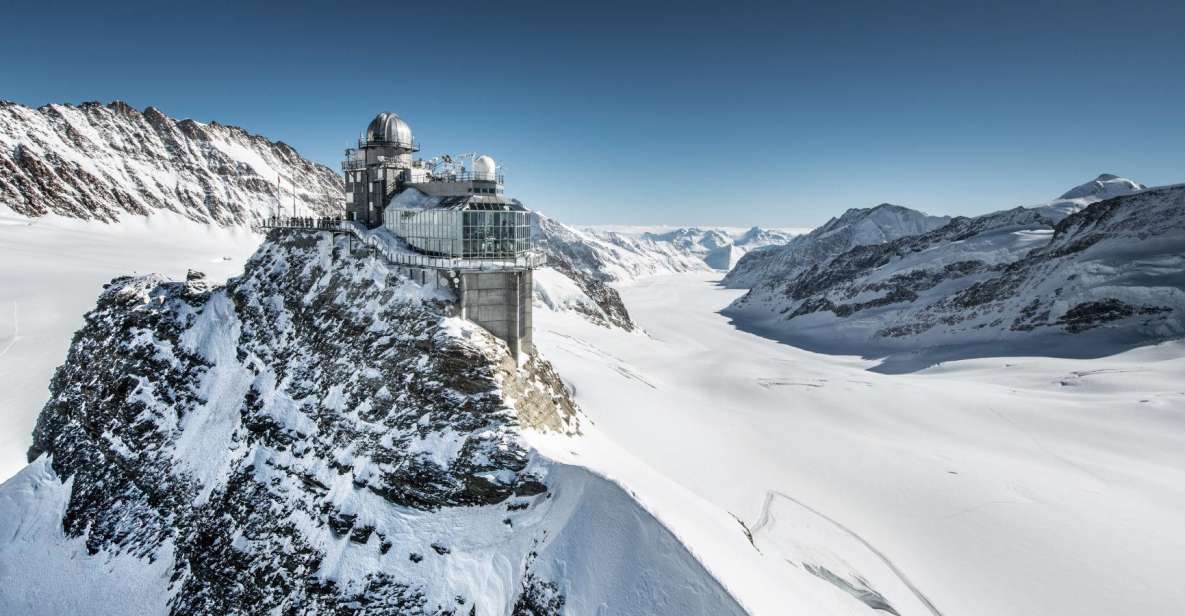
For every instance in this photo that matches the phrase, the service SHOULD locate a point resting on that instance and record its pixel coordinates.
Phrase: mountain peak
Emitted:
(73, 161)
(1105, 186)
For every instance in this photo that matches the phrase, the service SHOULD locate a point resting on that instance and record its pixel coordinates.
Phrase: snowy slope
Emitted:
(1103, 187)
(98, 162)
(317, 436)
(1025, 486)
(1027, 280)
(583, 265)
(615, 256)
(51, 270)
(586, 262)
(856, 227)
(91, 192)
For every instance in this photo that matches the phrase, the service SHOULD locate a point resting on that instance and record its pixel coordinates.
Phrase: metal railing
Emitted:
(399, 256)
(406, 145)
(314, 223)
(358, 164)
(462, 177)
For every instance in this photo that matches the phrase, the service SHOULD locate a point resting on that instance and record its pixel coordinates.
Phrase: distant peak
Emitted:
(1105, 186)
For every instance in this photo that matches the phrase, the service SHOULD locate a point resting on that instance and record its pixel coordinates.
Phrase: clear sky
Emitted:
(777, 114)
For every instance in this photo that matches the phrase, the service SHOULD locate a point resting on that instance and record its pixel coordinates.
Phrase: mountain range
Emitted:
(1103, 259)
(98, 162)
(306, 430)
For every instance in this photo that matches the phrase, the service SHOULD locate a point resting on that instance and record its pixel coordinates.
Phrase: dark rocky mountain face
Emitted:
(771, 265)
(586, 266)
(96, 162)
(1112, 268)
(246, 426)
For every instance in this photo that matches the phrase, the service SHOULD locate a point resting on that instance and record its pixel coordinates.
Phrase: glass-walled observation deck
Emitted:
(470, 229)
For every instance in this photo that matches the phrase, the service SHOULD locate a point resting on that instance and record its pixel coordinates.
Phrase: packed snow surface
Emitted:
(52, 269)
(1020, 485)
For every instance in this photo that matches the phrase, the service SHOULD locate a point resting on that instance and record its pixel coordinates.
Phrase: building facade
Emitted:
(457, 212)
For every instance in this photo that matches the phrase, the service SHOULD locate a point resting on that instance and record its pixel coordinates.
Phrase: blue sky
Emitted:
(777, 114)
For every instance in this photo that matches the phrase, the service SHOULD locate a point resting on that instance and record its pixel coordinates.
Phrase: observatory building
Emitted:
(453, 210)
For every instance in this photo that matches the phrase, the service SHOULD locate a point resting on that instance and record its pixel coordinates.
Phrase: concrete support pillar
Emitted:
(501, 303)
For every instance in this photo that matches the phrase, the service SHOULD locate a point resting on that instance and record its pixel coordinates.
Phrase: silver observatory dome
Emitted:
(389, 128)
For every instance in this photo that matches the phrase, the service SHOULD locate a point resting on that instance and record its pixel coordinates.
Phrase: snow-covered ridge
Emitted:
(594, 258)
(1027, 279)
(97, 162)
(614, 256)
(856, 227)
(1103, 187)
(318, 435)
(583, 264)
(719, 247)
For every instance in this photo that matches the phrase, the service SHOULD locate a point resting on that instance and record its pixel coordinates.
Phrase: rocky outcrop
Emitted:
(238, 423)
(96, 162)
(593, 298)
(319, 435)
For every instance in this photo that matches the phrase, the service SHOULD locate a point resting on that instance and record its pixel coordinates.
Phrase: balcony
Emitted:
(410, 146)
(463, 177)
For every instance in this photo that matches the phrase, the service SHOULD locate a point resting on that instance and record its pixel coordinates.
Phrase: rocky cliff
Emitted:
(317, 436)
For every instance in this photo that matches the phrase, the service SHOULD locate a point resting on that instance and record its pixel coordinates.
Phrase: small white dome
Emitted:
(484, 168)
(390, 128)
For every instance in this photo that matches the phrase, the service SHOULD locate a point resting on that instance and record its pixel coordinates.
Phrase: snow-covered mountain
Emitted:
(98, 162)
(720, 247)
(584, 263)
(317, 436)
(856, 227)
(616, 256)
(1103, 187)
(91, 192)
(1025, 277)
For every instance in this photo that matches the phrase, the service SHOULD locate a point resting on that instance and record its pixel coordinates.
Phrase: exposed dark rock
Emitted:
(307, 362)
(97, 162)
(1112, 264)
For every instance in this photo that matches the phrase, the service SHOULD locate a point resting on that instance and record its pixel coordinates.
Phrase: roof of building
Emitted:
(484, 168)
(389, 128)
(412, 199)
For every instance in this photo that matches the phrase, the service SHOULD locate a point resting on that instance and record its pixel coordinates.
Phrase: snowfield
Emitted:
(1016, 486)
(52, 269)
